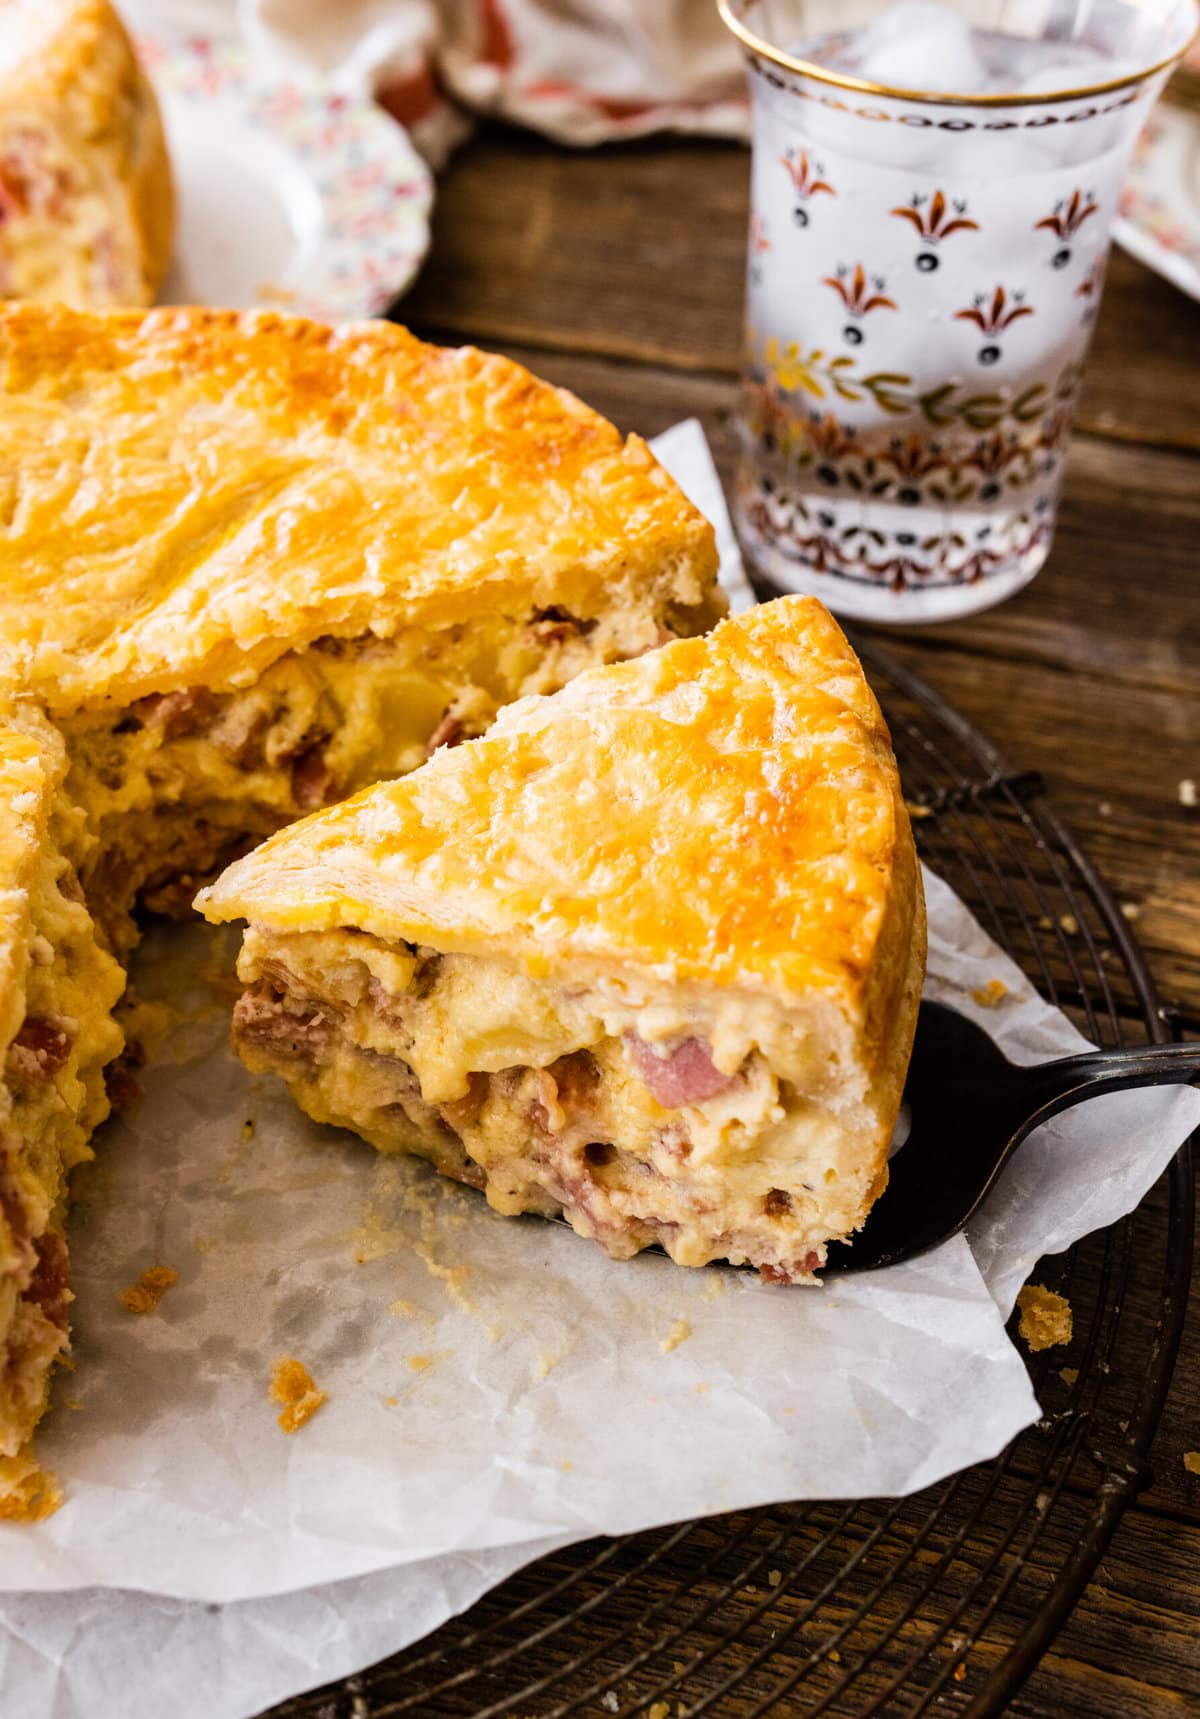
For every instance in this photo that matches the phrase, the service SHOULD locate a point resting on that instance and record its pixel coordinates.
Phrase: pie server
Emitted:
(970, 1109)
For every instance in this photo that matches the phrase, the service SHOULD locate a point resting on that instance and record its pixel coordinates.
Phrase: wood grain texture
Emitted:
(619, 274)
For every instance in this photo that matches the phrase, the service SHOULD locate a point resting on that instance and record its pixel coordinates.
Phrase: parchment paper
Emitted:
(495, 1386)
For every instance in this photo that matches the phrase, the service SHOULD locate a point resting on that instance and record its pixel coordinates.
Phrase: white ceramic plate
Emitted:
(1159, 220)
(290, 194)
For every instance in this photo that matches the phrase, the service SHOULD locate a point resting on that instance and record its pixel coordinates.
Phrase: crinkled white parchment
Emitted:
(496, 1386)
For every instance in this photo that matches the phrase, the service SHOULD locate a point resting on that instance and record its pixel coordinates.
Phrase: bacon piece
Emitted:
(39, 1050)
(685, 1075)
(242, 736)
(174, 714)
(120, 1083)
(793, 1271)
(553, 625)
(312, 779)
(448, 732)
(48, 1285)
(295, 1029)
(461, 1112)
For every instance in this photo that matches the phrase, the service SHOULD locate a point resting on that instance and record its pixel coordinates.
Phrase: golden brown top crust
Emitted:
(186, 494)
(32, 763)
(726, 809)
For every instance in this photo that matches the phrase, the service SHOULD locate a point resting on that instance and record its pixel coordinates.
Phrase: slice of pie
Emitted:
(85, 184)
(648, 954)
(249, 563)
(57, 990)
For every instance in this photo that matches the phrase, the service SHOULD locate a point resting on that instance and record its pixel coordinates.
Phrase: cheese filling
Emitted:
(175, 785)
(711, 1126)
(52, 1095)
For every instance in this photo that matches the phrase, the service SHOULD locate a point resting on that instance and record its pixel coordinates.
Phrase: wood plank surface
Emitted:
(618, 274)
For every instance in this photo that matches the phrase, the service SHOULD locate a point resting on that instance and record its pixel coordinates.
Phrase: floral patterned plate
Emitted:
(1159, 212)
(291, 194)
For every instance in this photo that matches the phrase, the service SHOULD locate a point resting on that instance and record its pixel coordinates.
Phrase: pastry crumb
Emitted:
(714, 1287)
(1191, 1461)
(834, 1655)
(390, 1402)
(1188, 795)
(774, 1577)
(1069, 924)
(1130, 911)
(679, 1333)
(1069, 1376)
(410, 1310)
(1045, 1317)
(659, 1710)
(568, 1467)
(991, 994)
(292, 1385)
(28, 1493)
(419, 1363)
(1105, 808)
(960, 1671)
(702, 1389)
(145, 1295)
(203, 1244)
(610, 1701)
(916, 809)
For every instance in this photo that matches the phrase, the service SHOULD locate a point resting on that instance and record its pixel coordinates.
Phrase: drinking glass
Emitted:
(924, 271)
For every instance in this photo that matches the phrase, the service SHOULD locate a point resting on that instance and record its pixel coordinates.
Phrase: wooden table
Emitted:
(619, 274)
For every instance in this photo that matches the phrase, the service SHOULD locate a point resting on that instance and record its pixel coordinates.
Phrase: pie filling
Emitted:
(52, 1095)
(714, 1130)
(176, 784)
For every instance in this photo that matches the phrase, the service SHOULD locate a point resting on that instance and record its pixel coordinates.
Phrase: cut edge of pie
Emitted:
(58, 988)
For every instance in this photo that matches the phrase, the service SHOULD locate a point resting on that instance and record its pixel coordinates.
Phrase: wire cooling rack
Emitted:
(941, 1602)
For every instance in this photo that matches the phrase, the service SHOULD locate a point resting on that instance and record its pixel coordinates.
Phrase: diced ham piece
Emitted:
(685, 1075)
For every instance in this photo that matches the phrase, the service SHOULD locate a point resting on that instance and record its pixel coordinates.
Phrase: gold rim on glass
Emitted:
(758, 45)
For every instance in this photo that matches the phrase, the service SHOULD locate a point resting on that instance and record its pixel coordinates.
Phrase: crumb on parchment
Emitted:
(1130, 911)
(1045, 1317)
(145, 1295)
(990, 995)
(27, 1492)
(1188, 795)
(1069, 924)
(774, 1577)
(1191, 1461)
(292, 1385)
(679, 1333)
